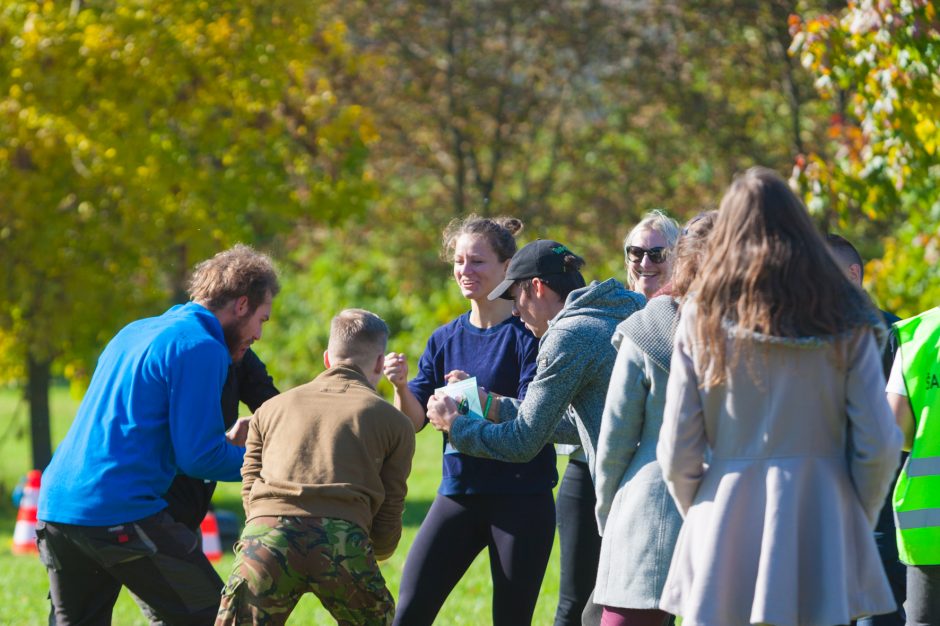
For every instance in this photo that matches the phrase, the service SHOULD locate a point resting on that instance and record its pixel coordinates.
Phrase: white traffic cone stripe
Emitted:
(24, 533)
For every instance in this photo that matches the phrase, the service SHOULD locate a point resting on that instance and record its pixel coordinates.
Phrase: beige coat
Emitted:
(780, 483)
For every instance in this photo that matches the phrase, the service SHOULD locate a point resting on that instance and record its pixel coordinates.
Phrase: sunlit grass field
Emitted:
(23, 583)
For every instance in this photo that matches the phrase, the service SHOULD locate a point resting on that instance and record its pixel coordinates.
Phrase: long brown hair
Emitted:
(690, 252)
(767, 271)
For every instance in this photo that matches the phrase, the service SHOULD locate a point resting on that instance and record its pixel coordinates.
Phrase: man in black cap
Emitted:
(574, 323)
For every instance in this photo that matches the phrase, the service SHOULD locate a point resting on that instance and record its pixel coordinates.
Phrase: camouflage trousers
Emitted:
(281, 558)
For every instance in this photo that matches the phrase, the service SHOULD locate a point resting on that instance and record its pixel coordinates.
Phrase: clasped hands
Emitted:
(442, 410)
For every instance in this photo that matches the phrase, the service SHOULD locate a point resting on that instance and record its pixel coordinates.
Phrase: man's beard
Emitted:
(235, 337)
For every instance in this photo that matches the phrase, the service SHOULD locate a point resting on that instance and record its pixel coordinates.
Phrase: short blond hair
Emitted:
(656, 221)
(358, 336)
(659, 222)
(239, 271)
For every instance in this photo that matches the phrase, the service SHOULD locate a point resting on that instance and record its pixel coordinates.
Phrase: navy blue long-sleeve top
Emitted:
(503, 360)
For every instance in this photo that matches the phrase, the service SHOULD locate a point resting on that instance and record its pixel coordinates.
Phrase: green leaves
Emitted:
(883, 59)
(137, 138)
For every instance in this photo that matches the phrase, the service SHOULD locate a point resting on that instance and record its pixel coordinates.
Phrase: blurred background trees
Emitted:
(879, 64)
(137, 138)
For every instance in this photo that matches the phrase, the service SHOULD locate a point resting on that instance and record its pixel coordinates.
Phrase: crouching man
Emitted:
(324, 485)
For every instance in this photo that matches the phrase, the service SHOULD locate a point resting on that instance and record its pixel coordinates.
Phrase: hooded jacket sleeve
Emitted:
(523, 431)
(621, 426)
(386, 524)
(197, 428)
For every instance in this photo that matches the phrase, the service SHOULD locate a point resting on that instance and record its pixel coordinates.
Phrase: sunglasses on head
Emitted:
(656, 255)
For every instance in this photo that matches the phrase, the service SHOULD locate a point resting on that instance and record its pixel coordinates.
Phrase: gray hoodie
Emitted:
(574, 366)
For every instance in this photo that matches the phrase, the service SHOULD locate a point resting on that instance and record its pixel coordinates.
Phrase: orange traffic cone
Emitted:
(24, 533)
(211, 542)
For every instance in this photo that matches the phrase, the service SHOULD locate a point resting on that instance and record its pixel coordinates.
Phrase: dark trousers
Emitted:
(579, 541)
(156, 558)
(886, 539)
(923, 595)
(518, 531)
(190, 523)
(897, 574)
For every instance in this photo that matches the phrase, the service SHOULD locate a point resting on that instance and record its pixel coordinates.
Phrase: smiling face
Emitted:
(477, 268)
(647, 277)
(245, 329)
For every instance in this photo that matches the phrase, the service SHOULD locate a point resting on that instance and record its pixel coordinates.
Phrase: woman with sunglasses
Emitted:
(504, 508)
(778, 445)
(648, 252)
(637, 517)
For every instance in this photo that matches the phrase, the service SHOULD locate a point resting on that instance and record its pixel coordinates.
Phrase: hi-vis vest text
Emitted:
(917, 494)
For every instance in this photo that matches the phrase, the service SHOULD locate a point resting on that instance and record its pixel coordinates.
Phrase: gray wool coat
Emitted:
(637, 518)
(780, 473)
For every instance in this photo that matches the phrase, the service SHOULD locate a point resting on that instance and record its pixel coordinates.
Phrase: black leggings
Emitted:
(518, 530)
(580, 543)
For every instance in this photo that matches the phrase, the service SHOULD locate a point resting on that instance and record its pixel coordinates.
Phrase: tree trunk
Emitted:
(37, 394)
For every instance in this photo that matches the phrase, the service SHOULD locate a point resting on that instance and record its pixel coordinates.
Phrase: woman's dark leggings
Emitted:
(518, 530)
(580, 543)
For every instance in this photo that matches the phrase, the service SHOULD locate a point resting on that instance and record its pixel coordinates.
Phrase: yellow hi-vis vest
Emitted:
(917, 494)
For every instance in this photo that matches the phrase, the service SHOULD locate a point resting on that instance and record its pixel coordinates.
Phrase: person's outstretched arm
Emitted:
(621, 426)
(396, 371)
(524, 430)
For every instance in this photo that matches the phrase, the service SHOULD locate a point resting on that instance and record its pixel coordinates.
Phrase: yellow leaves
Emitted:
(96, 39)
(220, 31)
(296, 70)
(334, 35)
(245, 25)
(368, 131)
(324, 90)
(31, 34)
(359, 119)
(190, 34)
(927, 131)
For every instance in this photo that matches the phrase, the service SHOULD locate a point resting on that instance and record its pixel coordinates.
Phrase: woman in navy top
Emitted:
(505, 507)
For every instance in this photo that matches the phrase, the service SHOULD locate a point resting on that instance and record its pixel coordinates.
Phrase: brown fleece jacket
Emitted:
(331, 448)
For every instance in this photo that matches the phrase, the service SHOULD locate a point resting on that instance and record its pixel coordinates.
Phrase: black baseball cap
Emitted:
(542, 258)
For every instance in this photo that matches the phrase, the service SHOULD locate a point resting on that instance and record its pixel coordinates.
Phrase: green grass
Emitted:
(23, 583)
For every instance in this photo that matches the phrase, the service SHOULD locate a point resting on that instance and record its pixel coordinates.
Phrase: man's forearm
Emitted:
(516, 440)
